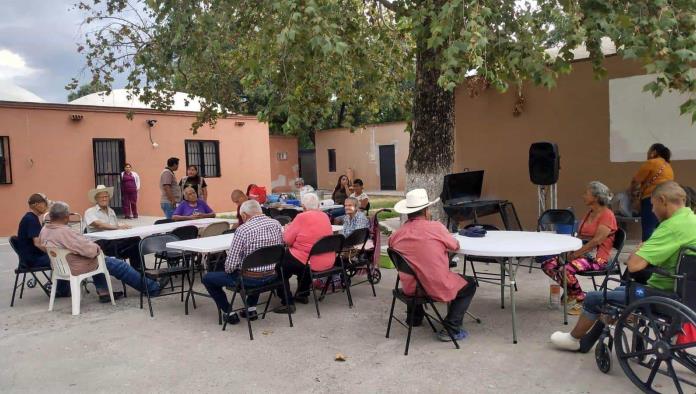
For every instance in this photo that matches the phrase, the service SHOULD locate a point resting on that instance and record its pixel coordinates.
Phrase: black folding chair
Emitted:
(163, 221)
(329, 244)
(550, 220)
(271, 255)
(420, 297)
(154, 244)
(354, 256)
(174, 256)
(23, 269)
(613, 267)
(283, 220)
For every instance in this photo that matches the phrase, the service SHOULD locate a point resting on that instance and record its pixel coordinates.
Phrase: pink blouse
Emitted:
(303, 232)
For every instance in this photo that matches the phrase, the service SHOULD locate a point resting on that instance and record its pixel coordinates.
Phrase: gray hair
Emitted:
(251, 208)
(310, 201)
(601, 192)
(354, 200)
(299, 180)
(59, 210)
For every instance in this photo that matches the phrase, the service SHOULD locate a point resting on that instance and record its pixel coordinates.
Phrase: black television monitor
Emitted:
(463, 186)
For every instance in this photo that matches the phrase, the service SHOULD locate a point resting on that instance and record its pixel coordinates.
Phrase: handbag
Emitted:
(636, 192)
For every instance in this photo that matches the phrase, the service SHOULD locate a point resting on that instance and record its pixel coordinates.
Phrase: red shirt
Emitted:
(589, 229)
(424, 244)
(303, 232)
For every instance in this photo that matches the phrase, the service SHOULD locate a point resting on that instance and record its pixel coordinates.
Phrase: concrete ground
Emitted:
(121, 349)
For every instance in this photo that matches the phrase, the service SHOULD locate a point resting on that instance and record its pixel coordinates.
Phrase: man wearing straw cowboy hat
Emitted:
(424, 244)
(101, 217)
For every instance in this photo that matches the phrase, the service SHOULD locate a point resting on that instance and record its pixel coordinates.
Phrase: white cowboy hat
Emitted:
(415, 200)
(99, 189)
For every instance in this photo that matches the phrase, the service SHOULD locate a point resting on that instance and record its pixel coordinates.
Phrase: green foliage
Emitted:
(303, 65)
(86, 89)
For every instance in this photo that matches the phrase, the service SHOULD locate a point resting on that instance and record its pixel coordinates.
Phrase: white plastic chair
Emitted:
(61, 270)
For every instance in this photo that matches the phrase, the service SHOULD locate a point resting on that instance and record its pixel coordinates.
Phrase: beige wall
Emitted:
(360, 151)
(283, 172)
(53, 154)
(575, 115)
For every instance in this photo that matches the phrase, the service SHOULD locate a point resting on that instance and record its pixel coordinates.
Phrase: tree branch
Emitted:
(389, 5)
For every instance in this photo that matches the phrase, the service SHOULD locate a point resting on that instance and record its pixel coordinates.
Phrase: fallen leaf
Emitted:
(340, 357)
(268, 332)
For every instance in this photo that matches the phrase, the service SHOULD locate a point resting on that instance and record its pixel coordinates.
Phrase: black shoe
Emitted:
(230, 319)
(302, 299)
(284, 309)
(252, 315)
(164, 282)
(105, 297)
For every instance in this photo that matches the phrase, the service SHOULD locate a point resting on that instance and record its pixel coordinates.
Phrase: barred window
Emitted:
(5, 164)
(205, 155)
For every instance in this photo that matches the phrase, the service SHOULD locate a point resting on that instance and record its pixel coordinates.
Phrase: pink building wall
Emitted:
(284, 162)
(53, 154)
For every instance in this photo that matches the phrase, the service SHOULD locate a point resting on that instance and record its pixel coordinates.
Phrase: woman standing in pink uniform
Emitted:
(130, 184)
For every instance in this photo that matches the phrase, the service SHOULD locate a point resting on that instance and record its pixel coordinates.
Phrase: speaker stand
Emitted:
(548, 197)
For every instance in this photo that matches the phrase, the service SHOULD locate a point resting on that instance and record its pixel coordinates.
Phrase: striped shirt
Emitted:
(258, 232)
(350, 225)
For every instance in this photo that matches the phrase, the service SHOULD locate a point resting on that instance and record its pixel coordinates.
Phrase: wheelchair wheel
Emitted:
(376, 276)
(646, 345)
(603, 354)
(31, 283)
(351, 272)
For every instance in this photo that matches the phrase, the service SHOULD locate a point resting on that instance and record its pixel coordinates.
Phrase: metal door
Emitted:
(387, 167)
(109, 160)
(308, 166)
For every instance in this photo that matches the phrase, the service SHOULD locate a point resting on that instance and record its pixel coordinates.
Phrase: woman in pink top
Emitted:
(597, 228)
(300, 235)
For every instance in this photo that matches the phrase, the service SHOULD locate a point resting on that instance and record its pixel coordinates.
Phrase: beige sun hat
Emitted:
(99, 189)
(415, 200)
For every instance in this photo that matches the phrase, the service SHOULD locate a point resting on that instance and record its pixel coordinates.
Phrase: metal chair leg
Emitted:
(314, 294)
(430, 322)
(21, 292)
(14, 290)
(409, 322)
(442, 321)
(476, 318)
(391, 315)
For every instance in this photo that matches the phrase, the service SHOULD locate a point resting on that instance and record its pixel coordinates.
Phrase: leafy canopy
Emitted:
(309, 60)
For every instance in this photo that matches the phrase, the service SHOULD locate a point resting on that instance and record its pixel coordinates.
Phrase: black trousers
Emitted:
(127, 248)
(291, 266)
(456, 309)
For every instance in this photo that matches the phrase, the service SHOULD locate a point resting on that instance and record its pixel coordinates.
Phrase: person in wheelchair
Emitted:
(677, 229)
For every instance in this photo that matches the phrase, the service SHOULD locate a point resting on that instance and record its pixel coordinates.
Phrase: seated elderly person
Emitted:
(238, 197)
(258, 231)
(101, 217)
(354, 218)
(677, 229)
(192, 207)
(29, 247)
(300, 235)
(597, 228)
(83, 256)
(424, 244)
(301, 188)
(359, 194)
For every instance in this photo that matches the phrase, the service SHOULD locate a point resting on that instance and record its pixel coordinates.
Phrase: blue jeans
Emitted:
(648, 220)
(214, 282)
(122, 271)
(592, 306)
(168, 209)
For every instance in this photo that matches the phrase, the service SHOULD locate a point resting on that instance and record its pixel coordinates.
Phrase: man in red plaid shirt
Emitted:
(258, 231)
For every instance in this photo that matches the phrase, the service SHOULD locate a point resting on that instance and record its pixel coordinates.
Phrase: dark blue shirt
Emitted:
(29, 228)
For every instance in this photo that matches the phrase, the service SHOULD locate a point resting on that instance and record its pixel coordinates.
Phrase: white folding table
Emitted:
(144, 231)
(515, 244)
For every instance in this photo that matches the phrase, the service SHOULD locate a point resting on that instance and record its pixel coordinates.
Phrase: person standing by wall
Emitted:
(194, 180)
(130, 185)
(655, 171)
(171, 192)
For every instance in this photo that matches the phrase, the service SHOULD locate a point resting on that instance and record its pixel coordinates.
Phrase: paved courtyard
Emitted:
(122, 349)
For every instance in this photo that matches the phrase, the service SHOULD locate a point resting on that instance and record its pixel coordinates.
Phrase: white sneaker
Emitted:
(564, 340)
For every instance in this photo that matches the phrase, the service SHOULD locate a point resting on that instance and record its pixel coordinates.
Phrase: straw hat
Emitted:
(415, 200)
(99, 189)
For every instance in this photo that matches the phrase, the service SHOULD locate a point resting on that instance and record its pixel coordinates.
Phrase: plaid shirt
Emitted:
(258, 232)
(359, 221)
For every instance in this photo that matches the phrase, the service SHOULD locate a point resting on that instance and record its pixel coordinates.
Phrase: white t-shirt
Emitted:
(95, 213)
(361, 197)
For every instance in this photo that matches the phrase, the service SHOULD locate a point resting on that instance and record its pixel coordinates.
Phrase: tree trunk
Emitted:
(431, 148)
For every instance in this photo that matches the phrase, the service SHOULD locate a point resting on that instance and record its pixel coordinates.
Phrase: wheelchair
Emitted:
(654, 332)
